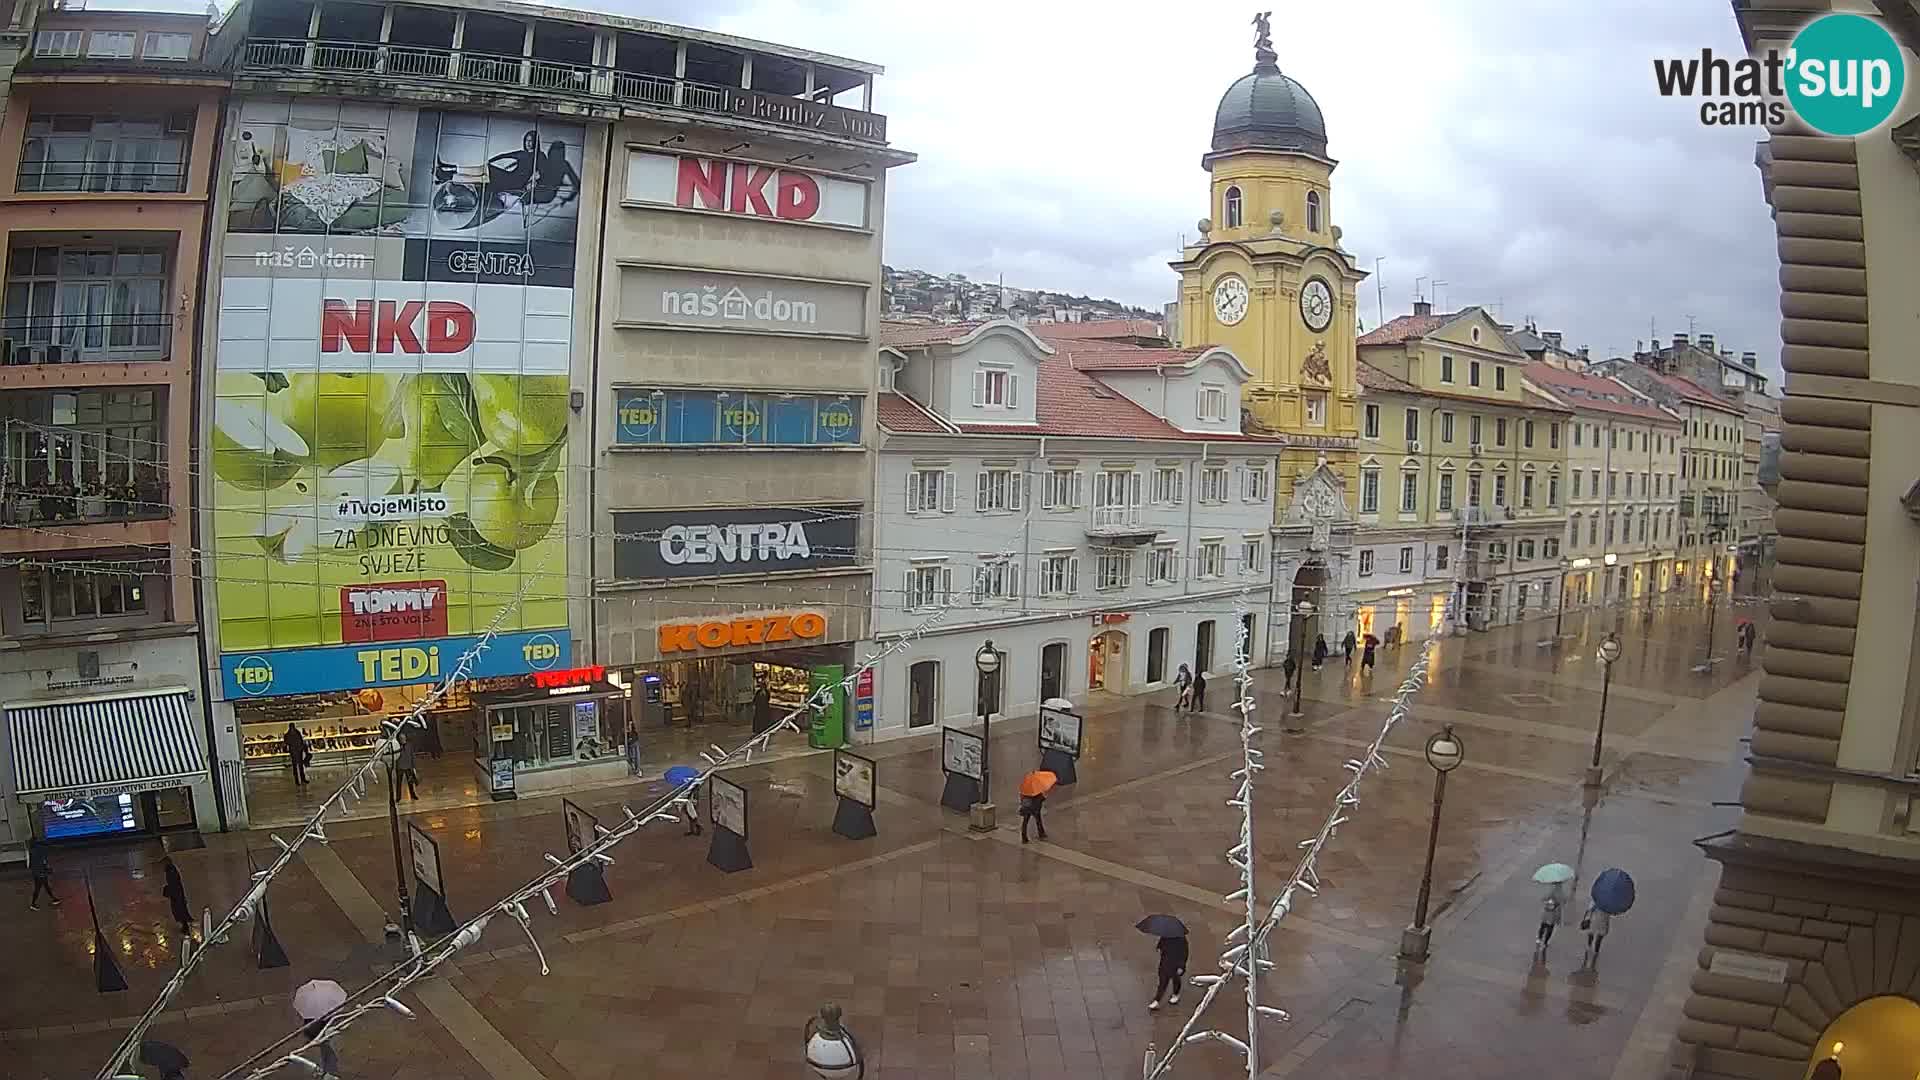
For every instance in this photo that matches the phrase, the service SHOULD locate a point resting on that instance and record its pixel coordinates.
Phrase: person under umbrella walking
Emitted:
(1173, 955)
(1549, 918)
(1033, 798)
(175, 890)
(42, 872)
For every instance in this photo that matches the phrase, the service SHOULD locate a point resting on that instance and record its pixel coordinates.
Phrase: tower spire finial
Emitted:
(1264, 58)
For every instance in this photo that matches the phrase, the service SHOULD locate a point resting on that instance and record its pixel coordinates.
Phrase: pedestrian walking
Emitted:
(1596, 923)
(42, 872)
(1319, 651)
(175, 890)
(1173, 964)
(1366, 656)
(693, 812)
(1030, 807)
(762, 707)
(1549, 918)
(329, 1058)
(404, 764)
(295, 745)
(633, 749)
(1199, 691)
(1346, 645)
(1184, 680)
(1292, 669)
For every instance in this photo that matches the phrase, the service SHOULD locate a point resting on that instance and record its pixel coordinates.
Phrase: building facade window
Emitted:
(1253, 554)
(1062, 490)
(1213, 484)
(1500, 489)
(1369, 491)
(1316, 406)
(58, 44)
(1213, 402)
(1113, 569)
(1169, 485)
(1446, 491)
(1446, 427)
(63, 596)
(1500, 431)
(1255, 483)
(1313, 211)
(1526, 491)
(1059, 574)
(1446, 368)
(1553, 436)
(1499, 377)
(165, 46)
(1441, 554)
(1473, 430)
(996, 388)
(1553, 489)
(996, 580)
(1413, 426)
(1234, 210)
(1409, 492)
(1211, 561)
(1550, 548)
(1526, 434)
(105, 153)
(930, 491)
(1163, 564)
(87, 303)
(1473, 489)
(1366, 562)
(1116, 497)
(110, 45)
(1370, 422)
(997, 490)
(1406, 560)
(1473, 373)
(929, 585)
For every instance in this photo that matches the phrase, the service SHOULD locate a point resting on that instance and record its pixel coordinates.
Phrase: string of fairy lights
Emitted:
(1244, 956)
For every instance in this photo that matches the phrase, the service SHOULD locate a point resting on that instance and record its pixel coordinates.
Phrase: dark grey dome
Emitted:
(1266, 110)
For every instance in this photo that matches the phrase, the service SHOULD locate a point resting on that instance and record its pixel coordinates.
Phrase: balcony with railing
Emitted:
(71, 459)
(398, 47)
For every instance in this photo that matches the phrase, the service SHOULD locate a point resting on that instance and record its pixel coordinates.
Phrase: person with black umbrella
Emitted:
(166, 1057)
(1173, 955)
(175, 890)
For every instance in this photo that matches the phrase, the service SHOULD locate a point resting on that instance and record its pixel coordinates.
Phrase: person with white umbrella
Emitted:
(312, 1003)
(1554, 876)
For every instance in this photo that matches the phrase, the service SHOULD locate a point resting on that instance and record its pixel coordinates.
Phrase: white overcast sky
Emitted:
(1516, 149)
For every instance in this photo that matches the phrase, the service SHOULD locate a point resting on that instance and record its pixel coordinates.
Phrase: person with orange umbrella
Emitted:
(1033, 795)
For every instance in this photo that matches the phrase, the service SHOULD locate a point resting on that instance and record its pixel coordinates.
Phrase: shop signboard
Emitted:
(853, 778)
(669, 544)
(644, 417)
(728, 805)
(777, 193)
(961, 752)
(500, 777)
(683, 298)
(359, 667)
(1060, 730)
(580, 826)
(773, 628)
(392, 392)
(426, 858)
(863, 701)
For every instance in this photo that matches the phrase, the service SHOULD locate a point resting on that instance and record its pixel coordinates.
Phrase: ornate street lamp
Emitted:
(1608, 652)
(1445, 752)
(987, 663)
(832, 1053)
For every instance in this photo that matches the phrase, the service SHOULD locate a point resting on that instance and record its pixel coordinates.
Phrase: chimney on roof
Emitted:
(1679, 341)
(1706, 342)
(1422, 307)
(1553, 338)
(1749, 359)
(1584, 353)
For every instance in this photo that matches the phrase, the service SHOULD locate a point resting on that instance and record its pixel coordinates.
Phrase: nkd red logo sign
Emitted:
(747, 188)
(386, 326)
(393, 611)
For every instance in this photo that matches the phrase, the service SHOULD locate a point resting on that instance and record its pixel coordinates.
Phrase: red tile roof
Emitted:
(1097, 329)
(1405, 328)
(1372, 378)
(900, 413)
(1111, 356)
(1688, 390)
(1582, 391)
(908, 335)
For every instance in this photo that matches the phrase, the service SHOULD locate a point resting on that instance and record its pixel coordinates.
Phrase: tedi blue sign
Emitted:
(276, 672)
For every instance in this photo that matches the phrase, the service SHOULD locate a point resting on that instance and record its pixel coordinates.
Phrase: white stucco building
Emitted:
(1094, 509)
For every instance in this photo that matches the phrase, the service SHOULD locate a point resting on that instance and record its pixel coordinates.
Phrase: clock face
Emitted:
(1230, 300)
(1316, 304)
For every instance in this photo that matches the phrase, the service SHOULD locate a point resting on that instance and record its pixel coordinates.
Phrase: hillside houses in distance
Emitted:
(910, 295)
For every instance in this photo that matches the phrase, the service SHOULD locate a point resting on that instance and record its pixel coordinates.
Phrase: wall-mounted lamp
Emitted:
(857, 167)
(736, 146)
(681, 137)
(799, 157)
(577, 400)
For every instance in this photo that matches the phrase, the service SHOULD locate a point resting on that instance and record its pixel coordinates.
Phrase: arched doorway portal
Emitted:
(1107, 661)
(1309, 587)
(1877, 1039)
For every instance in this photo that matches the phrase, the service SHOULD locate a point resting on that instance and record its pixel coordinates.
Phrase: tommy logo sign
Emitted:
(386, 326)
(746, 188)
(395, 611)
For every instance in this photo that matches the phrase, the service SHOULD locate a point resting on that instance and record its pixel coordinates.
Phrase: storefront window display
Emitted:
(724, 695)
(561, 724)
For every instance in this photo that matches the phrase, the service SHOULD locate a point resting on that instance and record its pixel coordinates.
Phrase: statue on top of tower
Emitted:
(1263, 53)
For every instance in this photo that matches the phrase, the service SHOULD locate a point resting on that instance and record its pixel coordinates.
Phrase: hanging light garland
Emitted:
(1245, 954)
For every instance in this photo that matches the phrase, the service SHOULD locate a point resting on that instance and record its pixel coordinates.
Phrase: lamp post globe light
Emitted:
(1304, 609)
(1608, 653)
(832, 1053)
(987, 663)
(1445, 752)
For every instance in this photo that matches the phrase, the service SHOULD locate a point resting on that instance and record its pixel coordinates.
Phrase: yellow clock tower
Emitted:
(1268, 278)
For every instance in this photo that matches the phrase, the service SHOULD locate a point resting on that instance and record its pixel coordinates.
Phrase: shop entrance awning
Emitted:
(100, 746)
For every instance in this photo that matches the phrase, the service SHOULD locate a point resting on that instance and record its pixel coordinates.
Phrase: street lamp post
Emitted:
(1713, 611)
(393, 825)
(1559, 609)
(987, 662)
(832, 1053)
(1445, 752)
(1608, 653)
(1305, 611)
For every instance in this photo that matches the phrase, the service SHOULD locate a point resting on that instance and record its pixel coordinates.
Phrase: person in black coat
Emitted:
(1199, 691)
(762, 708)
(42, 872)
(1030, 806)
(1292, 669)
(295, 745)
(1173, 964)
(1346, 645)
(1319, 651)
(175, 890)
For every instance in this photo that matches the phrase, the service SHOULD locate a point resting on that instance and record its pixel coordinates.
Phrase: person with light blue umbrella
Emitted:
(1612, 894)
(1555, 877)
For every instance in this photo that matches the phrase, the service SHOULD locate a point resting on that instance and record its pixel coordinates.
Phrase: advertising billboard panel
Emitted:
(389, 432)
(651, 544)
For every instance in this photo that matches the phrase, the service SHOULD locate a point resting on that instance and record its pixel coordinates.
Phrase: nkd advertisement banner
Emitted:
(363, 667)
(389, 438)
(666, 544)
(734, 418)
(702, 300)
(745, 188)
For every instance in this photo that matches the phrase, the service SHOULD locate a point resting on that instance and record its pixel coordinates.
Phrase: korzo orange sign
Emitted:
(733, 633)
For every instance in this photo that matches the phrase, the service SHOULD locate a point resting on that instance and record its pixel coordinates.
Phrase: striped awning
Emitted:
(100, 746)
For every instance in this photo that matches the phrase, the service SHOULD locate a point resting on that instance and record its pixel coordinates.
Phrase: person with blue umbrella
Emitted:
(1612, 894)
(680, 776)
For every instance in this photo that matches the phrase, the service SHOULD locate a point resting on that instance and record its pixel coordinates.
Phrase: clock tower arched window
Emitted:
(1234, 209)
(1313, 211)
